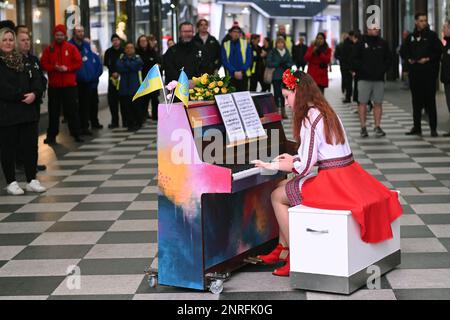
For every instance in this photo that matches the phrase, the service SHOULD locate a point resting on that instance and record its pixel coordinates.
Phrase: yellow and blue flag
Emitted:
(182, 89)
(152, 82)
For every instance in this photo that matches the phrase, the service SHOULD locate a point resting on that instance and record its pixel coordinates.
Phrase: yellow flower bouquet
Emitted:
(207, 86)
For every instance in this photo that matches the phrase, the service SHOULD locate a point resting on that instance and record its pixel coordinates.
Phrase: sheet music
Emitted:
(250, 118)
(231, 118)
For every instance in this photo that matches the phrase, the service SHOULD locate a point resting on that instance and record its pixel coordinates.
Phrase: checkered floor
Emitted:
(100, 214)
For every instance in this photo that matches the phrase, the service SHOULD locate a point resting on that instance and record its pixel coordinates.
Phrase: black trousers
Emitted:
(423, 89)
(67, 99)
(20, 139)
(132, 110)
(94, 108)
(278, 93)
(240, 85)
(86, 97)
(347, 83)
(254, 79)
(144, 103)
(113, 102)
(355, 90)
(322, 89)
(154, 97)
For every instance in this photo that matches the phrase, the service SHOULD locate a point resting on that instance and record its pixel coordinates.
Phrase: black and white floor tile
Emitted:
(100, 214)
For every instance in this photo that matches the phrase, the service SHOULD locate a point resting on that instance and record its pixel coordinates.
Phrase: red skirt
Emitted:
(342, 184)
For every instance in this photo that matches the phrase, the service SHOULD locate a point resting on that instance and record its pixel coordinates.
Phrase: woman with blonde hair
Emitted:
(279, 58)
(20, 87)
(341, 183)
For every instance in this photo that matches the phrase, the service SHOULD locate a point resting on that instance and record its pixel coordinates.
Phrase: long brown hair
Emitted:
(308, 92)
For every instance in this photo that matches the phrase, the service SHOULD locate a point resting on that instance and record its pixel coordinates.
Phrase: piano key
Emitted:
(246, 173)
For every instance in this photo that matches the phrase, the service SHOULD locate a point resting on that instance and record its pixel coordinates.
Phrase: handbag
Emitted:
(268, 75)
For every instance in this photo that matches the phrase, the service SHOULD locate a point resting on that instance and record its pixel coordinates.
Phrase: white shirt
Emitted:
(314, 147)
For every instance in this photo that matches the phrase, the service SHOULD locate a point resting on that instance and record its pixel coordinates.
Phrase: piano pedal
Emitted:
(253, 260)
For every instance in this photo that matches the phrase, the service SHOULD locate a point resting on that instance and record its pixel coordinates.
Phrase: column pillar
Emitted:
(155, 21)
(392, 34)
(421, 5)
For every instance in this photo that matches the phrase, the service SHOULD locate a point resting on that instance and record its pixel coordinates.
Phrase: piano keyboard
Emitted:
(246, 173)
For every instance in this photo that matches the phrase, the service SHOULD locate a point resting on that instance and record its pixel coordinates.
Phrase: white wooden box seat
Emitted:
(327, 252)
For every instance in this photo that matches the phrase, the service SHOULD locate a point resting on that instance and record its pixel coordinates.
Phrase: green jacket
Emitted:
(280, 63)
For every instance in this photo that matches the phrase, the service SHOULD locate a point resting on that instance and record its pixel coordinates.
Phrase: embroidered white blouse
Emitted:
(314, 147)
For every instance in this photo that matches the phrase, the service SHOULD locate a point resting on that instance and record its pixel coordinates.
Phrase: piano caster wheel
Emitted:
(153, 281)
(216, 281)
(216, 286)
(152, 278)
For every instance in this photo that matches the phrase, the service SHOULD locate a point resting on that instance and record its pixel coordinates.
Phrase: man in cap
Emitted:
(237, 59)
(62, 60)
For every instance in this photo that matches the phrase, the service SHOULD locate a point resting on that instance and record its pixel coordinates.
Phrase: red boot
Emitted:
(284, 270)
(275, 256)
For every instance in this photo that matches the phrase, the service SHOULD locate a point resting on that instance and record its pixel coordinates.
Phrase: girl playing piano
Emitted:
(340, 184)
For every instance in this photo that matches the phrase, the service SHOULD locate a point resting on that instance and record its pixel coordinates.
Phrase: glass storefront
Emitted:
(101, 18)
(102, 23)
(167, 19)
(141, 18)
(41, 25)
(8, 10)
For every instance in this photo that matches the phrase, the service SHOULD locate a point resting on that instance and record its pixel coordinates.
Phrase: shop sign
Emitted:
(286, 8)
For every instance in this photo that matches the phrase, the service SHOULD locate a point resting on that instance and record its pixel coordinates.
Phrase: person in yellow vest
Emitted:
(282, 33)
(237, 59)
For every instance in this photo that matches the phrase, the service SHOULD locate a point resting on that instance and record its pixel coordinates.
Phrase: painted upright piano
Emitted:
(214, 208)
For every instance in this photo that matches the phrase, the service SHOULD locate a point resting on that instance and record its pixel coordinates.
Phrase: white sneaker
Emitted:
(14, 189)
(35, 186)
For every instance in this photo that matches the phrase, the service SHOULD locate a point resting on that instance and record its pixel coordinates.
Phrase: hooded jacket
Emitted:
(371, 58)
(130, 70)
(92, 68)
(64, 54)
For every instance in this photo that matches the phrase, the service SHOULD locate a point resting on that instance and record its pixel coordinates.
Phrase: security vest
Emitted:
(243, 43)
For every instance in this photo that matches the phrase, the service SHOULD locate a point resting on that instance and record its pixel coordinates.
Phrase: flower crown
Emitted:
(289, 79)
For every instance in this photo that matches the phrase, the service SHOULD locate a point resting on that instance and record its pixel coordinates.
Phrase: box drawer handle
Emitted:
(317, 231)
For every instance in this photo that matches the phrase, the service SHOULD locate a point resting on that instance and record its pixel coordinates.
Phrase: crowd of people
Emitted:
(73, 69)
(365, 59)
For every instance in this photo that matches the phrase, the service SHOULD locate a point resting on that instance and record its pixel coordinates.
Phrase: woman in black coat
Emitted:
(21, 88)
(146, 48)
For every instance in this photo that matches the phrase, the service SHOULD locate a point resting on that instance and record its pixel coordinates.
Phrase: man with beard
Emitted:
(185, 54)
(371, 60)
(210, 45)
(423, 51)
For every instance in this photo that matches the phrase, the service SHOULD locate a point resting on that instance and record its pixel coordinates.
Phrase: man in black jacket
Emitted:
(298, 53)
(112, 55)
(370, 60)
(185, 54)
(31, 62)
(445, 69)
(210, 45)
(423, 51)
(343, 53)
(257, 69)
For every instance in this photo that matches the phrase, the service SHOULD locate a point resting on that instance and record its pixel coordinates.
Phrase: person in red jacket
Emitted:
(61, 60)
(318, 58)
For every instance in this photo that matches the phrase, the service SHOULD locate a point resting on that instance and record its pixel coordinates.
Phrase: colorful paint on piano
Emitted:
(200, 223)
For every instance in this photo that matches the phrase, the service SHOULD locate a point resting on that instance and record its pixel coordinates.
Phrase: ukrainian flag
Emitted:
(182, 89)
(152, 82)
